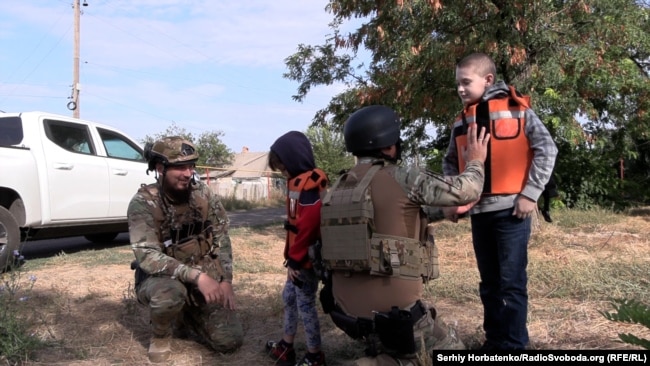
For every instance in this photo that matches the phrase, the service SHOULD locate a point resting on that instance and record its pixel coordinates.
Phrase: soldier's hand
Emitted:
(476, 144)
(210, 289)
(454, 213)
(228, 295)
(450, 213)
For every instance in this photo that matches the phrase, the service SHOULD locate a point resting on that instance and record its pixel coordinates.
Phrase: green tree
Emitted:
(585, 64)
(212, 151)
(172, 130)
(329, 151)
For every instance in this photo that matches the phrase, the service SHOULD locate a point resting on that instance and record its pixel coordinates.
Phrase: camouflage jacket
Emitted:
(152, 219)
(433, 189)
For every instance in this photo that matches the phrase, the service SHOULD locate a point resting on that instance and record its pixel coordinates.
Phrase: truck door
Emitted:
(127, 170)
(77, 177)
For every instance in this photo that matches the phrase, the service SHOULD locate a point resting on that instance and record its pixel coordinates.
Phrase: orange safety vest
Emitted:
(509, 154)
(306, 181)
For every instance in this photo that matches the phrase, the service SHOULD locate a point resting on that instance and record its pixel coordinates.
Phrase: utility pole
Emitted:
(76, 87)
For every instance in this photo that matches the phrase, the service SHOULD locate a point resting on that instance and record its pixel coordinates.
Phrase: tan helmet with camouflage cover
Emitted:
(170, 151)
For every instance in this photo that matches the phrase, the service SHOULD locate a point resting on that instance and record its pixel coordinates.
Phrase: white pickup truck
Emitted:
(61, 176)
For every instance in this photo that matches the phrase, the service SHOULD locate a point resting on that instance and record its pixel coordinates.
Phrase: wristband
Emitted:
(196, 279)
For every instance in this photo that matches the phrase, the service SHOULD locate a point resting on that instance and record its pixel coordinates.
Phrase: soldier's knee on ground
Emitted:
(445, 336)
(227, 333)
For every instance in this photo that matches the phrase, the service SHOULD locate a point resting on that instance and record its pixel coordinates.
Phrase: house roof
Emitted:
(251, 164)
(244, 165)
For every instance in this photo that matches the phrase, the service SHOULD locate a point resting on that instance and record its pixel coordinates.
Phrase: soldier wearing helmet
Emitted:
(376, 243)
(179, 234)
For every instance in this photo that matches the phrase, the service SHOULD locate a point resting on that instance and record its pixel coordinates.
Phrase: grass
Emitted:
(16, 317)
(81, 310)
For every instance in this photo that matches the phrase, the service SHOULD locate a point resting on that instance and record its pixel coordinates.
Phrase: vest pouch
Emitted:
(205, 244)
(430, 262)
(384, 259)
(187, 251)
(396, 256)
(395, 330)
(346, 247)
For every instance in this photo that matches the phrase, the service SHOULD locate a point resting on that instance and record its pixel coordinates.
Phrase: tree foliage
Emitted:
(585, 63)
(329, 151)
(212, 151)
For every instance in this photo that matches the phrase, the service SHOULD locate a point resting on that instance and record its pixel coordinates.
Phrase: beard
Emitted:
(177, 195)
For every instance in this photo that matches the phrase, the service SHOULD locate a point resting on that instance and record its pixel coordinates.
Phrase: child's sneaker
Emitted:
(312, 359)
(282, 353)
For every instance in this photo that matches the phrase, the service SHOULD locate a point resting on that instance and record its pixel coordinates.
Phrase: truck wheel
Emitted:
(101, 237)
(9, 239)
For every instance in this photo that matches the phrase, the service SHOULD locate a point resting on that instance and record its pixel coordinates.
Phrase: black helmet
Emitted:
(371, 128)
(169, 151)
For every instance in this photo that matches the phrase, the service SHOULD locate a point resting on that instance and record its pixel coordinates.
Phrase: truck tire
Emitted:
(9, 239)
(101, 237)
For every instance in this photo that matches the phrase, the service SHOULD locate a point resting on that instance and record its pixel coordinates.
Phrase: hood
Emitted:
(295, 152)
(500, 88)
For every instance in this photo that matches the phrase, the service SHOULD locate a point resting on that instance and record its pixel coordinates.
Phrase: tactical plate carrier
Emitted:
(350, 242)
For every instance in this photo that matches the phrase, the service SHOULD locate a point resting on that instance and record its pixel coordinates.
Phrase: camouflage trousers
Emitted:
(430, 333)
(169, 306)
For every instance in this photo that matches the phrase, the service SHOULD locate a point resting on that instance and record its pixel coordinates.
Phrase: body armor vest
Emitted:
(187, 233)
(350, 242)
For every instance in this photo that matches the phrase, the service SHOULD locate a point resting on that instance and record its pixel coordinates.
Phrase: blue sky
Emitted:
(205, 65)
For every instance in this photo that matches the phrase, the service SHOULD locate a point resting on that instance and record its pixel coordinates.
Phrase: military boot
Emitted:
(161, 335)
(159, 349)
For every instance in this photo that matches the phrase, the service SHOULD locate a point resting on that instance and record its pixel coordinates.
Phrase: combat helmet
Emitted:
(170, 151)
(371, 128)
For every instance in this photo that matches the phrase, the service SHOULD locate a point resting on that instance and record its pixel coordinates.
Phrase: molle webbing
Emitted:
(350, 242)
(190, 242)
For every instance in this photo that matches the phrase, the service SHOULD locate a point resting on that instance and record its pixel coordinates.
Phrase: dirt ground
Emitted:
(91, 317)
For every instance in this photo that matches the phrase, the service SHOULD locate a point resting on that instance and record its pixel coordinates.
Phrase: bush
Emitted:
(631, 312)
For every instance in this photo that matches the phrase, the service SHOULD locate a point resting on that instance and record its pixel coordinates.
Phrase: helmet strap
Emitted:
(398, 154)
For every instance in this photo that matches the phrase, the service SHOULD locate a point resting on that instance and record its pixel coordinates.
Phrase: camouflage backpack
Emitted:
(350, 242)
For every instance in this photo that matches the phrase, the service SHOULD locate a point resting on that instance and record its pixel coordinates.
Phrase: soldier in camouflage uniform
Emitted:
(179, 235)
(386, 311)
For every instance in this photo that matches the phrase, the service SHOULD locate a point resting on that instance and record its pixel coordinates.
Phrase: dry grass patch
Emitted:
(82, 304)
